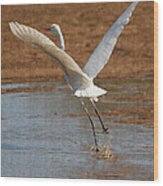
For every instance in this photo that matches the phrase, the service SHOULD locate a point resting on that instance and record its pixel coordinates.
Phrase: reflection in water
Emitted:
(46, 134)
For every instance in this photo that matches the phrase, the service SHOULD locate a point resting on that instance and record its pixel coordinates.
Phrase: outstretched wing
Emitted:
(74, 75)
(104, 50)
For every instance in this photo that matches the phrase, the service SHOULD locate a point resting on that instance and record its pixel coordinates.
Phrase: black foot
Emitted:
(97, 150)
(106, 130)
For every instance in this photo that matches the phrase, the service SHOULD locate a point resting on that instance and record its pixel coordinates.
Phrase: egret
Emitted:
(79, 80)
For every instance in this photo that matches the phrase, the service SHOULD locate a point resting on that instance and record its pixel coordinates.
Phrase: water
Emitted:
(47, 134)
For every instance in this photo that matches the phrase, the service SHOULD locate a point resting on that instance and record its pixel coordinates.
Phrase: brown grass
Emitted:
(83, 26)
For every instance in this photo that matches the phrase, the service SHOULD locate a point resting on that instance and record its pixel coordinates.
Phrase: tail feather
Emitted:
(90, 92)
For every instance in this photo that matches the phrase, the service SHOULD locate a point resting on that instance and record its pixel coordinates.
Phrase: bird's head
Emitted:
(55, 29)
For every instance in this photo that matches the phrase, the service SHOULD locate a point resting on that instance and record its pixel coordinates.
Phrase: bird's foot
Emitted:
(95, 148)
(106, 130)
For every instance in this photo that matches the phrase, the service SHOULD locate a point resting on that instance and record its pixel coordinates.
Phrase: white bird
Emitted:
(80, 81)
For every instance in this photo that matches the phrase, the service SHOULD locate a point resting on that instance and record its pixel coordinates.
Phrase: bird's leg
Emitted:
(105, 129)
(92, 124)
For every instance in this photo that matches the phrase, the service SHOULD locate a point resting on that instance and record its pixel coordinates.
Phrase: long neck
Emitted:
(61, 39)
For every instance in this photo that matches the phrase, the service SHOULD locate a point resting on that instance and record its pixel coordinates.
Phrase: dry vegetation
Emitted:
(83, 26)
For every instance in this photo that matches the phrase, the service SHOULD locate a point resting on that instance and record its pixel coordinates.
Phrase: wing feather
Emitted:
(103, 51)
(74, 75)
